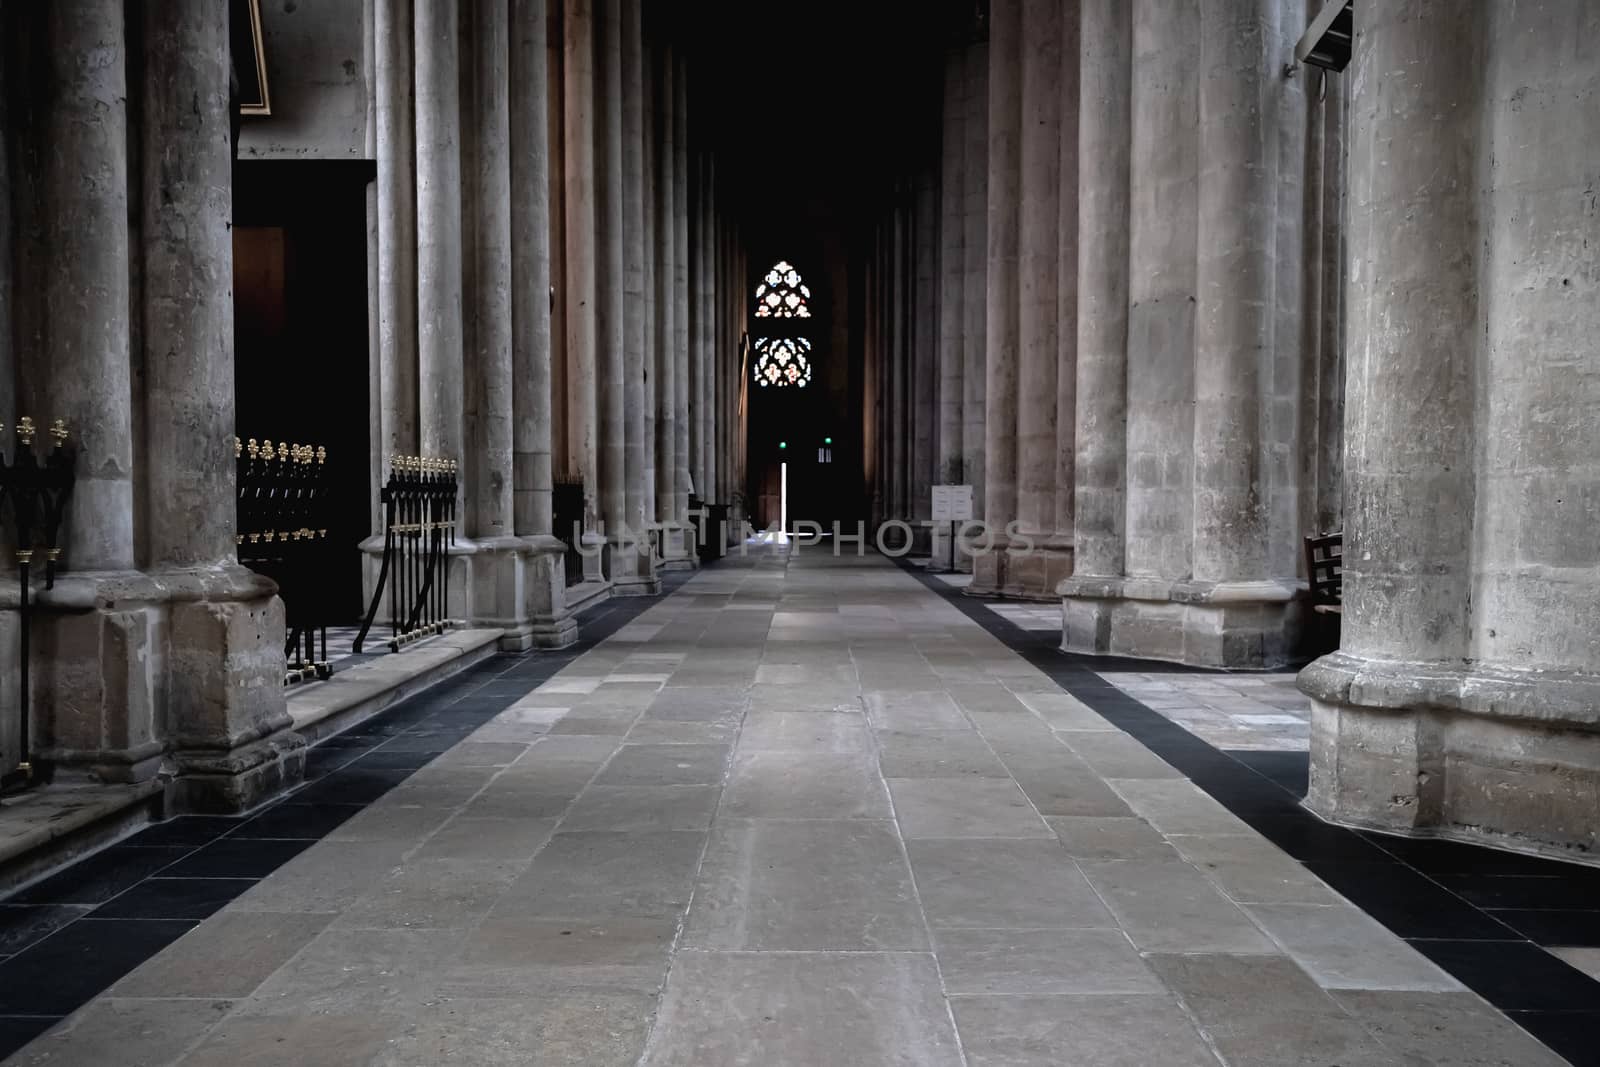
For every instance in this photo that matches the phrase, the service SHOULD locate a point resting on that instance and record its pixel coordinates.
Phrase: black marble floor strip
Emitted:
(1484, 915)
(67, 938)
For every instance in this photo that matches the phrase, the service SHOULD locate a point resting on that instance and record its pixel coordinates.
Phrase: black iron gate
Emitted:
(419, 502)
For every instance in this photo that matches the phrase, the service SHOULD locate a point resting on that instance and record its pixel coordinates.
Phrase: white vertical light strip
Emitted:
(783, 501)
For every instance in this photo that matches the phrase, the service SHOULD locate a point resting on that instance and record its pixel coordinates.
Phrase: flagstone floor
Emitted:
(802, 811)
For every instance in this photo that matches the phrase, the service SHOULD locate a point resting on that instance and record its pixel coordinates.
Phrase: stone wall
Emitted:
(1465, 699)
(319, 78)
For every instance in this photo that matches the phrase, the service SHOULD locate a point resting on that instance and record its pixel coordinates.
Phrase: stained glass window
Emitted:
(782, 295)
(781, 361)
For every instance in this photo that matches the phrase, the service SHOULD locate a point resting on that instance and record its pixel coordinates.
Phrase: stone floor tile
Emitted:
(1252, 869)
(957, 882)
(1058, 783)
(1342, 947)
(1177, 806)
(468, 838)
(444, 894)
(831, 697)
(642, 808)
(1110, 837)
(559, 957)
(801, 731)
(599, 874)
(805, 886)
(665, 765)
(1113, 754)
(1172, 907)
(964, 807)
(728, 1009)
(1444, 1028)
(1266, 1011)
(323, 879)
(917, 711)
(981, 962)
(649, 731)
(226, 957)
(954, 754)
(591, 1030)
(118, 1032)
(351, 972)
(401, 823)
(805, 785)
(329, 1039)
(1063, 711)
(1085, 1031)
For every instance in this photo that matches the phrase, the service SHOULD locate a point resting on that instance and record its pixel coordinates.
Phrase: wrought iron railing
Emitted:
(36, 493)
(282, 533)
(419, 502)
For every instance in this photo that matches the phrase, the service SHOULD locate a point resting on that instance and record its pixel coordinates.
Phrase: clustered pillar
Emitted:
(164, 653)
(1195, 285)
(1462, 699)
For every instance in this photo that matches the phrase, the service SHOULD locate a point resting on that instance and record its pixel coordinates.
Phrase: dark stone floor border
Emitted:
(1481, 914)
(66, 939)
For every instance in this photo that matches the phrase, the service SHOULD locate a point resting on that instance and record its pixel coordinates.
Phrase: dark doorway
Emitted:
(300, 334)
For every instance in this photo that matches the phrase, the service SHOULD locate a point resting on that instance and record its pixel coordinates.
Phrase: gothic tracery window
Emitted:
(782, 295)
(782, 359)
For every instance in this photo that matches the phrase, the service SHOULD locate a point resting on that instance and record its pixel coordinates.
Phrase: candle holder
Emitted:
(33, 494)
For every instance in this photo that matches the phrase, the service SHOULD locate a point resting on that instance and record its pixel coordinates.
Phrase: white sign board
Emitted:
(952, 503)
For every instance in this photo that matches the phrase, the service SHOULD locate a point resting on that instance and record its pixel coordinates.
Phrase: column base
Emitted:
(174, 672)
(1491, 756)
(518, 585)
(1027, 567)
(677, 550)
(633, 569)
(1240, 625)
(942, 546)
(1033, 572)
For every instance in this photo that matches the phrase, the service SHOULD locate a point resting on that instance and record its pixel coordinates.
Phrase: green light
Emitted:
(827, 440)
(783, 444)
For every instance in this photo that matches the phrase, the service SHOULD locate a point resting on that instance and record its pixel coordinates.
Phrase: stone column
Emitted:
(1061, 549)
(96, 695)
(1038, 251)
(222, 698)
(439, 333)
(952, 271)
(632, 563)
(899, 354)
(666, 389)
(491, 462)
(1100, 461)
(578, 155)
(647, 257)
(925, 349)
(1161, 302)
(1411, 467)
(1001, 308)
(1233, 323)
(1104, 129)
(609, 283)
(678, 551)
(975, 274)
(397, 232)
(544, 579)
(502, 574)
(85, 282)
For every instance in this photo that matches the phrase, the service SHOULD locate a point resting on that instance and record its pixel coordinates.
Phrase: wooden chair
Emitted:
(1324, 572)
